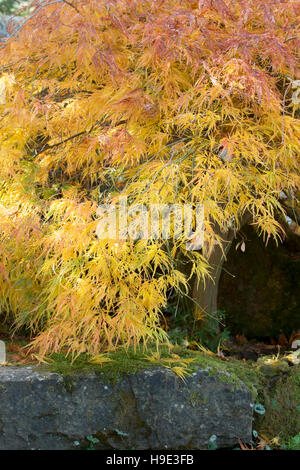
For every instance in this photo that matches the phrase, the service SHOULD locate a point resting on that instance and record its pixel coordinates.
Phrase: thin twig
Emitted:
(47, 147)
(72, 6)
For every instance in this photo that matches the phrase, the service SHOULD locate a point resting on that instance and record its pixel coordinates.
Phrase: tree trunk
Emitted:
(205, 295)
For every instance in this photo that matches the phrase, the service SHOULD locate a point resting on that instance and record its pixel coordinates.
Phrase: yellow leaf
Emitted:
(182, 372)
(100, 359)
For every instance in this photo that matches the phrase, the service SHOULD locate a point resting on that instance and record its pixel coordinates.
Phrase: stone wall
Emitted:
(151, 409)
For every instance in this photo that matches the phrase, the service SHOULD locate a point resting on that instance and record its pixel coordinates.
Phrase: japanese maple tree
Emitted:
(163, 101)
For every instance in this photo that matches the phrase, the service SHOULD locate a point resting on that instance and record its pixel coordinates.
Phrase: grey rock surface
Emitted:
(151, 409)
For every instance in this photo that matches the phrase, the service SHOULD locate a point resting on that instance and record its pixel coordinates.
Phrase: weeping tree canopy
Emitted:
(166, 101)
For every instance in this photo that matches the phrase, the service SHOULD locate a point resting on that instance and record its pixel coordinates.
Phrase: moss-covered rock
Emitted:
(149, 409)
(124, 362)
(281, 400)
(136, 393)
(271, 367)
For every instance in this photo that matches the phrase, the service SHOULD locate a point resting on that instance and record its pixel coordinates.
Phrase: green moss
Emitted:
(282, 403)
(68, 383)
(272, 367)
(232, 371)
(196, 399)
(293, 443)
(124, 362)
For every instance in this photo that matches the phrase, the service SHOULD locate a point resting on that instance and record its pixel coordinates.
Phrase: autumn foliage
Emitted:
(163, 101)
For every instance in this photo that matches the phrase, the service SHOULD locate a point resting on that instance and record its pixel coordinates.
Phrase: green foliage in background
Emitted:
(8, 7)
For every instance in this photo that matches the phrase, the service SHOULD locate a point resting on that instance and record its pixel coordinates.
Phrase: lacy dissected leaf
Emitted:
(172, 101)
